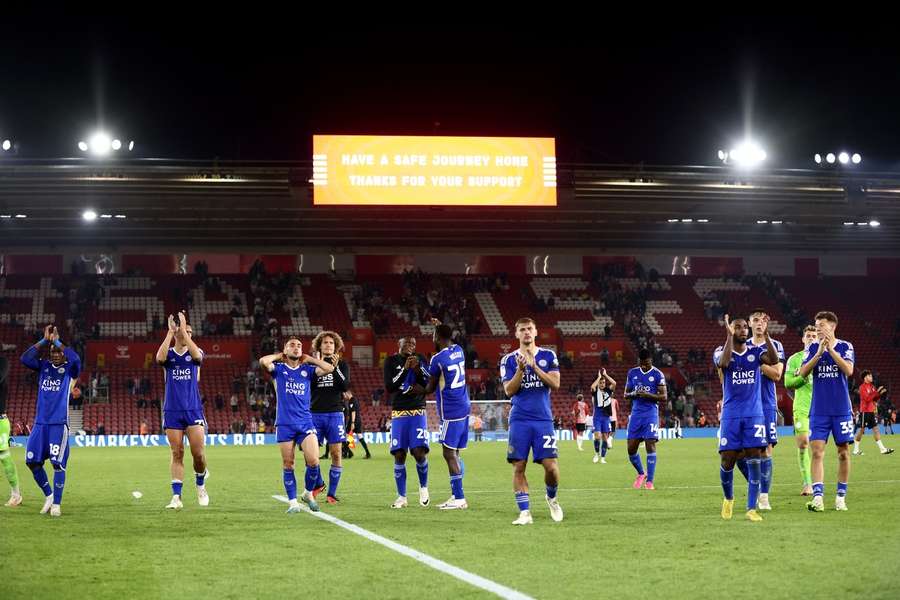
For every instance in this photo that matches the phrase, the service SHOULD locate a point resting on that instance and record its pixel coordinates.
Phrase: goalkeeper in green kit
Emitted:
(6, 459)
(802, 391)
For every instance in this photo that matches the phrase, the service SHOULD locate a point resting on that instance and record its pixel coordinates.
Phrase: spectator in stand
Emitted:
(76, 400)
(220, 401)
(100, 429)
(144, 429)
(251, 401)
(234, 403)
(236, 385)
(478, 427)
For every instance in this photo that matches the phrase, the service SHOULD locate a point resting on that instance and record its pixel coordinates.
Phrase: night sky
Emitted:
(619, 91)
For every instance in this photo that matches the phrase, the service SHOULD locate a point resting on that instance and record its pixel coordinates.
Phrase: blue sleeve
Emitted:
(553, 363)
(507, 371)
(74, 362)
(780, 348)
(434, 368)
(849, 354)
(30, 358)
(813, 348)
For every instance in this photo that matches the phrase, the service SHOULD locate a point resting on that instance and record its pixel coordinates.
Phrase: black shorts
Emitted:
(866, 421)
(580, 427)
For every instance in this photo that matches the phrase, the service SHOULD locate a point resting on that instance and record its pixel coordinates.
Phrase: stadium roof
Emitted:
(602, 208)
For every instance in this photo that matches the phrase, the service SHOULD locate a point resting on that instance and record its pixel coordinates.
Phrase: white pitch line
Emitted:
(437, 564)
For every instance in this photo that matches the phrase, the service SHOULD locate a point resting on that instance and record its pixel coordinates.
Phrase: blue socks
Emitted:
(290, 484)
(313, 474)
(753, 467)
(841, 489)
(400, 478)
(334, 478)
(819, 489)
(522, 500)
(603, 449)
(727, 478)
(40, 477)
(636, 461)
(765, 474)
(176, 487)
(651, 466)
(742, 467)
(200, 478)
(422, 471)
(597, 446)
(59, 483)
(456, 486)
(551, 491)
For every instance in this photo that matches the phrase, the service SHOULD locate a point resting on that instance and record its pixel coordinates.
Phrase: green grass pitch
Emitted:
(614, 541)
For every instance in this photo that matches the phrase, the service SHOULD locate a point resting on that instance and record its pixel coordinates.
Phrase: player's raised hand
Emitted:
(182, 321)
(603, 372)
(172, 326)
(54, 336)
(48, 333)
(728, 325)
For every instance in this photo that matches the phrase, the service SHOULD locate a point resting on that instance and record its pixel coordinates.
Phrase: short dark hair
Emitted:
(443, 332)
(292, 337)
(827, 315)
(811, 328)
(525, 321)
(866, 372)
(758, 311)
(644, 354)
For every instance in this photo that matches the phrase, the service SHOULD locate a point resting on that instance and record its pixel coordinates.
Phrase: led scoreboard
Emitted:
(356, 170)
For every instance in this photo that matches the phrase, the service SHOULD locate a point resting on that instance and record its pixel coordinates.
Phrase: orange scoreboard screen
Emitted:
(356, 170)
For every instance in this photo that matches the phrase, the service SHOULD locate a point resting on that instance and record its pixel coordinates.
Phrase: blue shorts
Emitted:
(841, 427)
(742, 432)
(770, 415)
(409, 432)
(455, 433)
(601, 422)
(537, 436)
(329, 426)
(643, 427)
(48, 441)
(294, 432)
(182, 419)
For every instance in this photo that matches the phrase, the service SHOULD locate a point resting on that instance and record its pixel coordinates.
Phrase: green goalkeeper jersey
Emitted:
(800, 386)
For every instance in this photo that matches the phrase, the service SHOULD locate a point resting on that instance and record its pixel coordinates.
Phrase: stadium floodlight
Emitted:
(777, 222)
(818, 158)
(21, 216)
(874, 223)
(116, 144)
(7, 144)
(703, 220)
(106, 216)
(849, 223)
(844, 158)
(89, 215)
(863, 223)
(100, 144)
(131, 145)
(687, 220)
(747, 155)
(829, 158)
(856, 158)
(120, 216)
(723, 156)
(761, 222)
(82, 145)
(673, 220)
